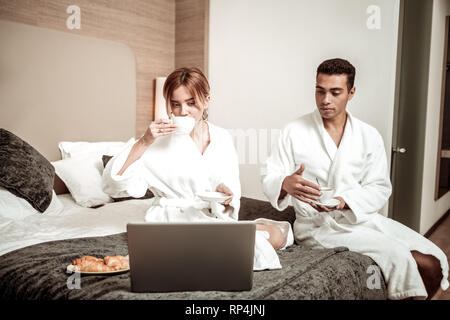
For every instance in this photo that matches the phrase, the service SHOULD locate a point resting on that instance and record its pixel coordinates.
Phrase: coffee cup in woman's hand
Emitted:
(184, 124)
(159, 128)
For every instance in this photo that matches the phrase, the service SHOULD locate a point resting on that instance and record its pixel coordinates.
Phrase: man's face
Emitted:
(332, 95)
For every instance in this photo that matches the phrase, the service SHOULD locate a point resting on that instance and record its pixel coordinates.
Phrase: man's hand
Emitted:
(340, 206)
(306, 191)
(300, 188)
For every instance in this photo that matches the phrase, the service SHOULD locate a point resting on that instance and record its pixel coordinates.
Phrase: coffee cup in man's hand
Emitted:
(327, 194)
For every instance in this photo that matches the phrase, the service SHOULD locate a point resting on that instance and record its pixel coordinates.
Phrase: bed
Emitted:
(57, 211)
(38, 271)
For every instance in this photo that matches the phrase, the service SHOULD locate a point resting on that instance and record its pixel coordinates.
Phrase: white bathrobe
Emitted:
(175, 171)
(358, 172)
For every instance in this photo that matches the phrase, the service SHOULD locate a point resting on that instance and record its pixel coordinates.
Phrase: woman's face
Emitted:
(183, 104)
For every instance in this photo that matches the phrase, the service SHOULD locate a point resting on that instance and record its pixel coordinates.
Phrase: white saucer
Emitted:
(71, 269)
(330, 203)
(213, 196)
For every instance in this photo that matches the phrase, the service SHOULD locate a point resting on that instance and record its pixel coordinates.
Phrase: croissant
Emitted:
(86, 259)
(93, 264)
(117, 262)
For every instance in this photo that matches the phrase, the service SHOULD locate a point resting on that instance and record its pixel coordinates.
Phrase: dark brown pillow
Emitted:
(252, 209)
(25, 172)
(148, 194)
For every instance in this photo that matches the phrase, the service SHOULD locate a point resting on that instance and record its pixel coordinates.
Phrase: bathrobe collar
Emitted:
(327, 141)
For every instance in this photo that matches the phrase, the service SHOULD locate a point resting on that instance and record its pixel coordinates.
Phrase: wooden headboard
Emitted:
(57, 86)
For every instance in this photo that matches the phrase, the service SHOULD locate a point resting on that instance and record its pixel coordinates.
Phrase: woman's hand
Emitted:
(158, 128)
(224, 189)
(342, 204)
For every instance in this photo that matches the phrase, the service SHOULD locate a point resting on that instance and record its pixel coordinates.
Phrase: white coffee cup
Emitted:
(327, 193)
(184, 124)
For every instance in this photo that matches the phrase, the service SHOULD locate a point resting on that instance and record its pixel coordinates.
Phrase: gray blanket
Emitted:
(39, 271)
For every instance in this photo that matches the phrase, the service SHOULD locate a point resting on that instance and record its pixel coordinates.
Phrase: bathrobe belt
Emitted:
(181, 203)
(212, 208)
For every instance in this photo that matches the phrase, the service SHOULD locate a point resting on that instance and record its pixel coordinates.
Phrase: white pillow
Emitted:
(83, 178)
(82, 149)
(17, 208)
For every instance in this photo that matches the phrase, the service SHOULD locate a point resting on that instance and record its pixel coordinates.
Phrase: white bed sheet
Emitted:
(73, 222)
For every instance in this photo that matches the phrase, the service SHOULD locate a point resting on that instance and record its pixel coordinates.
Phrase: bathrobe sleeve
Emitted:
(131, 183)
(375, 187)
(278, 165)
(230, 173)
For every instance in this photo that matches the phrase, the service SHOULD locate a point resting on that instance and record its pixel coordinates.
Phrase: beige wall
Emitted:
(432, 210)
(191, 34)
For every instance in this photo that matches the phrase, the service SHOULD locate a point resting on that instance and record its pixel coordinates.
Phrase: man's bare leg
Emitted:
(430, 271)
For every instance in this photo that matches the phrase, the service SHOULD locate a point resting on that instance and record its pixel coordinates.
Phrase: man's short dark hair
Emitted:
(338, 66)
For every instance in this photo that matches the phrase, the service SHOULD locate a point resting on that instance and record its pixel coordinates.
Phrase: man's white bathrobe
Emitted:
(358, 172)
(175, 171)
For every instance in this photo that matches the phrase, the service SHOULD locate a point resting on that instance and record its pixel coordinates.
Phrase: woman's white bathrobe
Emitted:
(175, 171)
(358, 172)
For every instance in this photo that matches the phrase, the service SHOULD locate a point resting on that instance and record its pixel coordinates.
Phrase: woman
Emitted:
(177, 167)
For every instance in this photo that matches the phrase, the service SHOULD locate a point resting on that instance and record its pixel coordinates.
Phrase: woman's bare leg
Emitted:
(276, 237)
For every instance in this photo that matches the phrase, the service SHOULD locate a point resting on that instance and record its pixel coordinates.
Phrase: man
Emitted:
(331, 148)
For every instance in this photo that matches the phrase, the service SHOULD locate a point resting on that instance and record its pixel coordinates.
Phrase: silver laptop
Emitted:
(191, 256)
